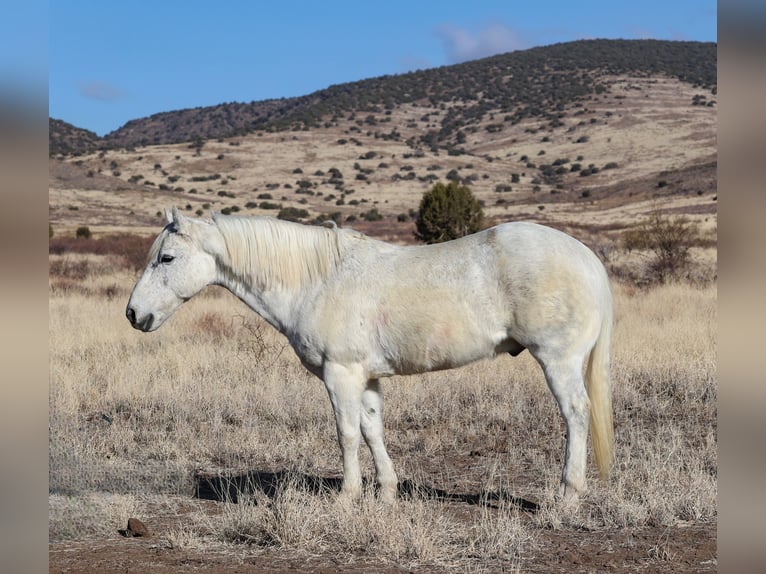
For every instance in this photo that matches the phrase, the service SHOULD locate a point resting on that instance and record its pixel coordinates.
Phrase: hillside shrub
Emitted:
(270, 205)
(668, 240)
(83, 232)
(292, 213)
(372, 215)
(447, 212)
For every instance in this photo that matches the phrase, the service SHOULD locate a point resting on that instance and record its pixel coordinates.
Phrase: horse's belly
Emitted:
(445, 345)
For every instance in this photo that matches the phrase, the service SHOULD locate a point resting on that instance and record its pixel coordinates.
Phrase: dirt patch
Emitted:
(678, 549)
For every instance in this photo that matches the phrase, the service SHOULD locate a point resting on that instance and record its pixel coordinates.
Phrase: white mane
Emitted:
(271, 253)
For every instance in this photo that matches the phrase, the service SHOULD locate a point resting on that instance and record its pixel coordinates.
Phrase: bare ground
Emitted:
(643, 550)
(680, 549)
(686, 547)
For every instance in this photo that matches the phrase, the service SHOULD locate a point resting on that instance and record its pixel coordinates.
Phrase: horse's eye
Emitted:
(166, 258)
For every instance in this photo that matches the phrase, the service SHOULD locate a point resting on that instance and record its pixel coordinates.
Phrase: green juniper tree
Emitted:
(448, 212)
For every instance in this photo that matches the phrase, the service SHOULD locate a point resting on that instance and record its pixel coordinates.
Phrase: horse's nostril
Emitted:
(131, 314)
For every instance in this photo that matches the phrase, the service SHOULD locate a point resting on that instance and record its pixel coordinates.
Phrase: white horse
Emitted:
(356, 309)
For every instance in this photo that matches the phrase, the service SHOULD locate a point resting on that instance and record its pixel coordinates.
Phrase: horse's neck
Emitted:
(275, 306)
(275, 280)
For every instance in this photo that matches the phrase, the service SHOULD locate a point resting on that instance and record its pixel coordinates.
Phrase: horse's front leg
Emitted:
(345, 385)
(372, 430)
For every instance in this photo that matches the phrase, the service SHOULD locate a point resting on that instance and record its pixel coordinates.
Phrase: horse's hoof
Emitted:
(388, 495)
(569, 496)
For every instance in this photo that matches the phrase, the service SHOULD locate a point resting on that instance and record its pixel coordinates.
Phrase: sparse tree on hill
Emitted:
(448, 212)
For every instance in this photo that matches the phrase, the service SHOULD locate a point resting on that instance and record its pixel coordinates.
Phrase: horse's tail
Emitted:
(600, 392)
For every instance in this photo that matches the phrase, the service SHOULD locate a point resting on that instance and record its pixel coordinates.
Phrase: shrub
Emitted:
(83, 232)
(448, 212)
(270, 205)
(373, 215)
(668, 239)
(292, 213)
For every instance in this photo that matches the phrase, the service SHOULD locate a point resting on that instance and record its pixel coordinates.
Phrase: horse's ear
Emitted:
(175, 219)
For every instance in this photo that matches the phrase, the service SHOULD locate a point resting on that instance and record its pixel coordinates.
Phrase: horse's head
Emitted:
(182, 261)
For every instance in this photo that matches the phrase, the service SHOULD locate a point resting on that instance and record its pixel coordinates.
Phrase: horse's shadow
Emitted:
(232, 488)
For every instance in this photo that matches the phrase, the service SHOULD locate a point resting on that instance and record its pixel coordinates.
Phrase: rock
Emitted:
(135, 528)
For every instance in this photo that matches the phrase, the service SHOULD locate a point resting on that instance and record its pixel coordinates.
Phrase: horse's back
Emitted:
(533, 252)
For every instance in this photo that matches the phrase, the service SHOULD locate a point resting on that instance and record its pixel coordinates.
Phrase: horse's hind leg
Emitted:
(565, 381)
(345, 385)
(372, 430)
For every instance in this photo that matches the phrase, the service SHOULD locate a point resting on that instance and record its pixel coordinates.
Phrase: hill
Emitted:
(589, 133)
(537, 83)
(64, 138)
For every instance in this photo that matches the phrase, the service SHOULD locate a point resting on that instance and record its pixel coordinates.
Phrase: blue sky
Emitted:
(110, 62)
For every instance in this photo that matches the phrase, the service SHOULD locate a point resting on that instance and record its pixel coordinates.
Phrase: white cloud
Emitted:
(463, 45)
(102, 91)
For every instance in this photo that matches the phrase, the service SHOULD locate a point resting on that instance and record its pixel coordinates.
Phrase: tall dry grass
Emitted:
(135, 416)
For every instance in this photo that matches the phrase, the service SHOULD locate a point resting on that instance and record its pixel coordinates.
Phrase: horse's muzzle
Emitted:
(145, 324)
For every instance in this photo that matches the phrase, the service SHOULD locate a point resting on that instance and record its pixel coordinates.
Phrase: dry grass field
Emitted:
(212, 434)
